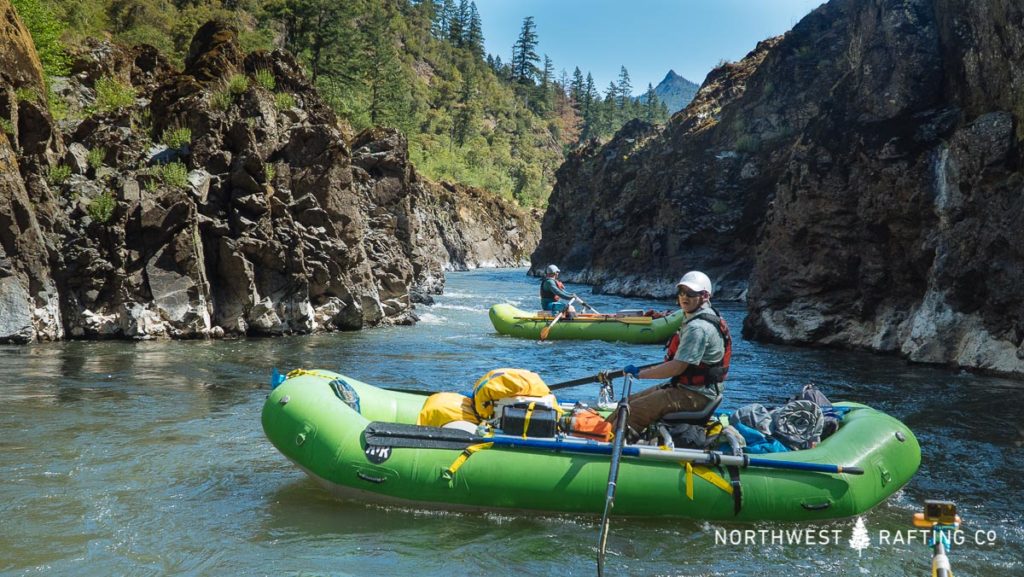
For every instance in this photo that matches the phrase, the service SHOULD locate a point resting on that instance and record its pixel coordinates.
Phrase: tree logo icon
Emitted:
(860, 539)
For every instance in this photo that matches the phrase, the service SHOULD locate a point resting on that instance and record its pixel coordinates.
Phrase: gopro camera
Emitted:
(937, 513)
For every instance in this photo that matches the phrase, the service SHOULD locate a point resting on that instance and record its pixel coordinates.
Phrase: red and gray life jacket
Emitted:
(703, 374)
(546, 295)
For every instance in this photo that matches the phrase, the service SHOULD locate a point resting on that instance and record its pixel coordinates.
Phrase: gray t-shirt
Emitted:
(699, 341)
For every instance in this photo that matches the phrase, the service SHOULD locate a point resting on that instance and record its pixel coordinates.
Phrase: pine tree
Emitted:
(625, 89)
(547, 74)
(663, 114)
(612, 117)
(589, 93)
(475, 40)
(466, 109)
(563, 82)
(385, 78)
(650, 104)
(590, 110)
(576, 89)
(524, 54)
(458, 28)
(315, 30)
(445, 16)
(562, 94)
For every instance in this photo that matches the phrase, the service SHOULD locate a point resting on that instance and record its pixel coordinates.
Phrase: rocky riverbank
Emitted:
(858, 181)
(222, 199)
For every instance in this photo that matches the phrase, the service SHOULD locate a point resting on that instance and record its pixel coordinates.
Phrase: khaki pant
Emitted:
(648, 406)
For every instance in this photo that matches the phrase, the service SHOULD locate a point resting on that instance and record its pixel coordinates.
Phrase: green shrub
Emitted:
(174, 174)
(142, 119)
(58, 174)
(7, 126)
(265, 78)
(25, 93)
(747, 143)
(46, 30)
(238, 84)
(177, 137)
(112, 94)
(59, 109)
(284, 101)
(221, 100)
(269, 172)
(95, 157)
(102, 207)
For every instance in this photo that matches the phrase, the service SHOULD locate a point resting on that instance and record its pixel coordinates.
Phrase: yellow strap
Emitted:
(706, 474)
(300, 372)
(526, 421)
(466, 454)
(484, 380)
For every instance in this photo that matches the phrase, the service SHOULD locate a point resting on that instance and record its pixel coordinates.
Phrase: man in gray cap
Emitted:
(552, 293)
(696, 362)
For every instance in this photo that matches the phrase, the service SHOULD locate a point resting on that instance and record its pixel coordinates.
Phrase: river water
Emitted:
(148, 458)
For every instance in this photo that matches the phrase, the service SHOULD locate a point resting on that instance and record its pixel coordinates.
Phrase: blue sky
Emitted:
(648, 37)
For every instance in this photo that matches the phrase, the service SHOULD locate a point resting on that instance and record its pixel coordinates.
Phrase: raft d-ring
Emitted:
(284, 400)
(300, 438)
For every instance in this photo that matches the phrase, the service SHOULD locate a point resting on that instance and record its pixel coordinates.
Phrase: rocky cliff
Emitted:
(863, 175)
(631, 216)
(222, 199)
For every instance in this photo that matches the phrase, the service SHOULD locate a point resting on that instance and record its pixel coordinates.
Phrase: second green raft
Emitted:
(637, 329)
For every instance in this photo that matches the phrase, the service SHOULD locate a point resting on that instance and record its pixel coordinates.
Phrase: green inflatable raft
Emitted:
(636, 329)
(337, 430)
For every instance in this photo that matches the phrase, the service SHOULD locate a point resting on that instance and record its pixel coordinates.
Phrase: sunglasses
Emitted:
(683, 291)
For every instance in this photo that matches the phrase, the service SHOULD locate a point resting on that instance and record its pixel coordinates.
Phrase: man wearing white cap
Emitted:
(553, 297)
(696, 362)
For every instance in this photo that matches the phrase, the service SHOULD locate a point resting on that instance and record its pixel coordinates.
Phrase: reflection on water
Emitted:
(148, 459)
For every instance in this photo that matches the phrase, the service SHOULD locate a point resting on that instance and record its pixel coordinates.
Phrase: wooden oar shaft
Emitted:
(544, 331)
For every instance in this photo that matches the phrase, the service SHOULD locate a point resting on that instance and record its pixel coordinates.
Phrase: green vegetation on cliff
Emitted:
(418, 66)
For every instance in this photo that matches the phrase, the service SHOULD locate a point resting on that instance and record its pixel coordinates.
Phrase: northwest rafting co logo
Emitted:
(860, 540)
(858, 537)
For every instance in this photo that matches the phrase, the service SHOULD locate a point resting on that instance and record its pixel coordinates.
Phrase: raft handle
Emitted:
(818, 507)
(370, 479)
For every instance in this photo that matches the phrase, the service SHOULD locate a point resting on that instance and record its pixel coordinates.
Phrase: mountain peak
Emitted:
(675, 91)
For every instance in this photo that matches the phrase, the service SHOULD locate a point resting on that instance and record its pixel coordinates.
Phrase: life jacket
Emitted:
(703, 374)
(547, 295)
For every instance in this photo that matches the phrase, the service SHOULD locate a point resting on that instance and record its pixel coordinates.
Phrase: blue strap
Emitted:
(276, 378)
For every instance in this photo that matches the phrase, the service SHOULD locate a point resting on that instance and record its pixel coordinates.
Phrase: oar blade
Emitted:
(544, 333)
(382, 434)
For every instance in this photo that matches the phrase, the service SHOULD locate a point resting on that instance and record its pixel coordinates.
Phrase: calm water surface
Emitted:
(148, 459)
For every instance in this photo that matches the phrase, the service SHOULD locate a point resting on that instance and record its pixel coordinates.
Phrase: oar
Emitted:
(555, 387)
(399, 435)
(621, 416)
(586, 304)
(592, 378)
(544, 331)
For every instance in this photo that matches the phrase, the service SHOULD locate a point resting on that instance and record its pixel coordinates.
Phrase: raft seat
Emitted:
(700, 417)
